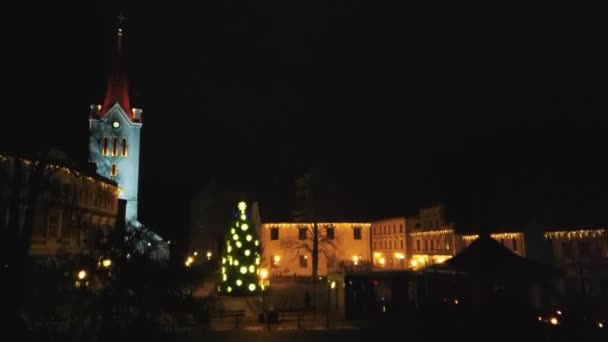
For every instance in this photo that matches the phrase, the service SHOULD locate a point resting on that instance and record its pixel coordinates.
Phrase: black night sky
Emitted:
(405, 104)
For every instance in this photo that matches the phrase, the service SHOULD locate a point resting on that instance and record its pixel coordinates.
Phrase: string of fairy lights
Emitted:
(66, 170)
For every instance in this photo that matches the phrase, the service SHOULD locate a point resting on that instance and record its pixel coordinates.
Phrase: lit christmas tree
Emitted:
(239, 273)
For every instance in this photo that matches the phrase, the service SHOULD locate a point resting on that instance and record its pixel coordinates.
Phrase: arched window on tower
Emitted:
(123, 151)
(104, 149)
(113, 170)
(114, 146)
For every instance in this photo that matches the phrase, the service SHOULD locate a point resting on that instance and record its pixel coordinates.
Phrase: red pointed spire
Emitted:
(117, 89)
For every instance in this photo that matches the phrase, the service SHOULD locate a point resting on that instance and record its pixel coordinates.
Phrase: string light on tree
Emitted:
(241, 256)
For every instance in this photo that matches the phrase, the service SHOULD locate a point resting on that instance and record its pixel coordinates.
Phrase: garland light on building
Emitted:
(241, 259)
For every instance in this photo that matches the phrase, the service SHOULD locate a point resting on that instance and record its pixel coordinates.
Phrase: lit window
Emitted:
(114, 146)
(104, 150)
(303, 261)
(123, 151)
(357, 233)
(113, 170)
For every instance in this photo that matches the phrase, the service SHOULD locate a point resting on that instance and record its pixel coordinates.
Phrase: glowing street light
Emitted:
(82, 274)
(107, 263)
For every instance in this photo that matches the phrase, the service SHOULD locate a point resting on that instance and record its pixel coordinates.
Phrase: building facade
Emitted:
(389, 243)
(583, 255)
(287, 247)
(115, 131)
(74, 207)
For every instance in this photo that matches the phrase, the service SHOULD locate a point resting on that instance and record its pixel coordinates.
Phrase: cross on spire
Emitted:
(121, 21)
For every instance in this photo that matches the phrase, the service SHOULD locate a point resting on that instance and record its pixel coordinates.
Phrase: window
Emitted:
(375, 244)
(401, 244)
(114, 146)
(390, 244)
(417, 245)
(104, 150)
(432, 244)
(302, 233)
(274, 233)
(357, 233)
(113, 170)
(123, 151)
(583, 248)
(303, 261)
(514, 244)
(400, 227)
(53, 226)
(394, 229)
(330, 233)
(426, 245)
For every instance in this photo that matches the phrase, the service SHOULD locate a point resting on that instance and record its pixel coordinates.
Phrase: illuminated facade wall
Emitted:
(287, 247)
(75, 206)
(389, 243)
(432, 246)
(114, 147)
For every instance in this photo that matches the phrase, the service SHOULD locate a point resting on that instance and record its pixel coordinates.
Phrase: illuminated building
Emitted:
(287, 247)
(389, 242)
(115, 129)
(73, 206)
(114, 143)
(583, 254)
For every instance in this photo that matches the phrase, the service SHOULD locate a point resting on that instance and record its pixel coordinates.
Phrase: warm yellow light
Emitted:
(224, 277)
(195, 253)
(414, 263)
(229, 289)
(242, 206)
(400, 256)
(107, 263)
(243, 269)
(256, 242)
(239, 244)
(223, 270)
(355, 259)
(235, 237)
(277, 259)
(600, 325)
(251, 287)
(257, 261)
(263, 273)
(251, 269)
(235, 262)
(553, 321)
(333, 285)
(232, 231)
(82, 274)
(559, 312)
(248, 237)
(209, 254)
(239, 282)
(224, 260)
(376, 254)
(243, 217)
(247, 252)
(382, 261)
(229, 249)
(244, 226)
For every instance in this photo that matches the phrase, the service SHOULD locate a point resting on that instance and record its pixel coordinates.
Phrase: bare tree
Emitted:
(327, 244)
(316, 200)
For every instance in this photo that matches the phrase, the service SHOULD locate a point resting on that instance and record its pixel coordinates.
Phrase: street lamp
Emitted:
(263, 276)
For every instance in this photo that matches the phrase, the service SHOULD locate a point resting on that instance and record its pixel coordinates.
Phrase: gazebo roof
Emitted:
(488, 259)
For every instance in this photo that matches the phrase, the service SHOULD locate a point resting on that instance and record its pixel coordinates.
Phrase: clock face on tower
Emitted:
(115, 124)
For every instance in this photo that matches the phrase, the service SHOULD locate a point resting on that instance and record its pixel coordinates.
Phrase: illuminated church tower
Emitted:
(115, 129)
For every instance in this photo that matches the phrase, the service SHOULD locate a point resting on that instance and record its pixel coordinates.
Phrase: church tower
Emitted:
(115, 129)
